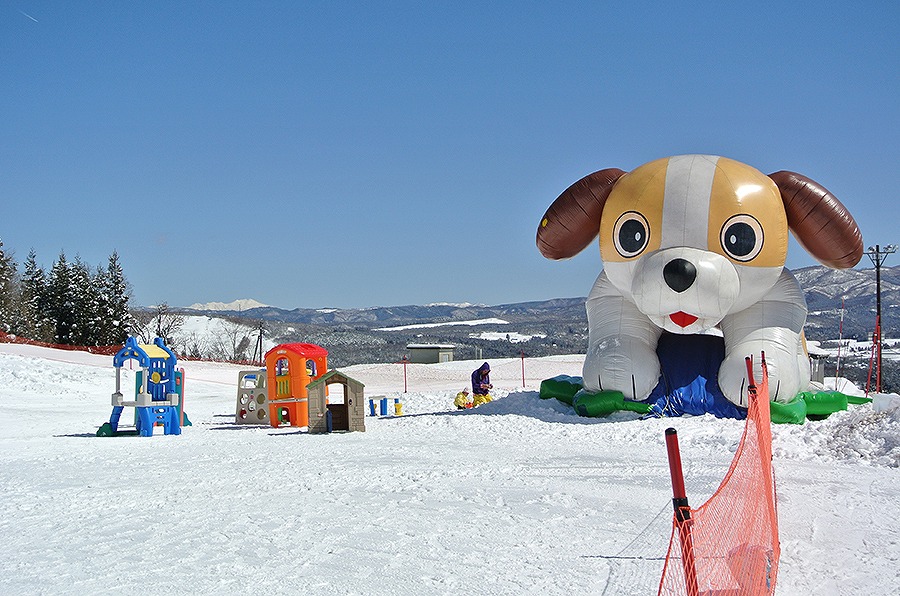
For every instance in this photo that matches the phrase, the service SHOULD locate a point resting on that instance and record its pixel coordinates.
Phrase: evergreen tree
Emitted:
(115, 303)
(70, 305)
(8, 298)
(60, 301)
(83, 296)
(34, 301)
(103, 319)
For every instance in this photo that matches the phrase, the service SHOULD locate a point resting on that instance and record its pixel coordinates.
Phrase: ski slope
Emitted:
(519, 496)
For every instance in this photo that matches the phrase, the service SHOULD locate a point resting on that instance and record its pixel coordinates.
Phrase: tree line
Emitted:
(69, 304)
(73, 304)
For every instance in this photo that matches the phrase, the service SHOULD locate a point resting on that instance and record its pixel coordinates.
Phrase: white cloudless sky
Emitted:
(348, 154)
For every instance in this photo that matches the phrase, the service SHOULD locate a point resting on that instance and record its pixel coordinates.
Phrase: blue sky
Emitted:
(352, 154)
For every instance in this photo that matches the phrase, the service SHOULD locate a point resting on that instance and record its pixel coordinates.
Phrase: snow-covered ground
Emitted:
(517, 496)
(850, 348)
(472, 323)
(512, 337)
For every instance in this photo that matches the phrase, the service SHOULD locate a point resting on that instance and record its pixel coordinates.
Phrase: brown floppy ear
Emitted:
(821, 224)
(573, 220)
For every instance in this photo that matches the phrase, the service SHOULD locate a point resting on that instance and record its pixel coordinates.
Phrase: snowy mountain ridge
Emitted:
(238, 305)
(538, 328)
(823, 287)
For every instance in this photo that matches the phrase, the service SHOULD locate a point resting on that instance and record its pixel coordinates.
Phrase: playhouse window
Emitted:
(336, 393)
(281, 367)
(311, 368)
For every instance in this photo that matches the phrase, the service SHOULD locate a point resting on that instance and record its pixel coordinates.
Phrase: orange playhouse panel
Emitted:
(290, 368)
(297, 413)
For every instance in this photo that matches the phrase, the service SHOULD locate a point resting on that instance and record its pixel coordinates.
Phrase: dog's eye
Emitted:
(631, 234)
(742, 238)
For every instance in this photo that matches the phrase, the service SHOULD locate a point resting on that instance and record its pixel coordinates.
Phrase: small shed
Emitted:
(817, 359)
(348, 416)
(430, 353)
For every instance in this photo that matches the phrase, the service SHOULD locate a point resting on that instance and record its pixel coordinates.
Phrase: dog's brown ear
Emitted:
(573, 220)
(819, 221)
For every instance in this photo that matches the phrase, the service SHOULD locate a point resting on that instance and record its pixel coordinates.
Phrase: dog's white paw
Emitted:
(623, 364)
(787, 376)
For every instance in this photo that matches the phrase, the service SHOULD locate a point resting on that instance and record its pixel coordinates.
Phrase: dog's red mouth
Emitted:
(682, 319)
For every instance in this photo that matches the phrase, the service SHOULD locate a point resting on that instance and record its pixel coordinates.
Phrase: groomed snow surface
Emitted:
(519, 496)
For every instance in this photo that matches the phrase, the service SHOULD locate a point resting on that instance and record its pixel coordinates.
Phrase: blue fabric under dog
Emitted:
(689, 381)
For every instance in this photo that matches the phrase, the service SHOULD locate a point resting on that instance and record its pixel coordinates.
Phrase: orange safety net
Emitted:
(728, 546)
(13, 339)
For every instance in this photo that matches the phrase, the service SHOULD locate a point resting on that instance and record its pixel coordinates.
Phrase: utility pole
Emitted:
(877, 255)
(258, 348)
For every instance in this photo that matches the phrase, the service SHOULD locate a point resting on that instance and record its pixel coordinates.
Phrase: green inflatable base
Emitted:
(591, 405)
(806, 406)
(810, 405)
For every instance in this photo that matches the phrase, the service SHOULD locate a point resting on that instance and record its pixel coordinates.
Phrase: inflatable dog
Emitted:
(691, 243)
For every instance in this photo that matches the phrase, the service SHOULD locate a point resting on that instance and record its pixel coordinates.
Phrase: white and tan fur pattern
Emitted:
(691, 244)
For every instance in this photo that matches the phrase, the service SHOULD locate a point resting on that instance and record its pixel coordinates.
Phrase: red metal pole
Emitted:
(878, 375)
(751, 386)
(873, 362)
(682, 513)
(403, 361)
(675, 470)
(837, 371)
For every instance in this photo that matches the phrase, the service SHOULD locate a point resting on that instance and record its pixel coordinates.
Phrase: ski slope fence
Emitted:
(104, 350)
(728, 546)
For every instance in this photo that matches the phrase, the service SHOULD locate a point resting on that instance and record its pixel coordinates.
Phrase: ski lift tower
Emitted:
(877, 255)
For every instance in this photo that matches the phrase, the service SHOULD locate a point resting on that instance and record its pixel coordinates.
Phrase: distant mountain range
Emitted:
(556, 326)
(386, 316)
(825, 288)
(237, 305)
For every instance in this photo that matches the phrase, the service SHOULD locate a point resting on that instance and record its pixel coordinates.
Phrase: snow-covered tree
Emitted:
(8, 299)
(83, 294)
(61, 303)
(34, 301)
(70, 305)
(114, 302)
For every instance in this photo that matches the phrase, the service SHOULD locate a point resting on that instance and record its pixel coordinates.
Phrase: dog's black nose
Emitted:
(679, 274)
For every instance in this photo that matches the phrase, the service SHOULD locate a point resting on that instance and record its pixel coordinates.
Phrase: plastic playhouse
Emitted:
(159, 391)
(326, 417)
(289, 369)
(293, 390)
